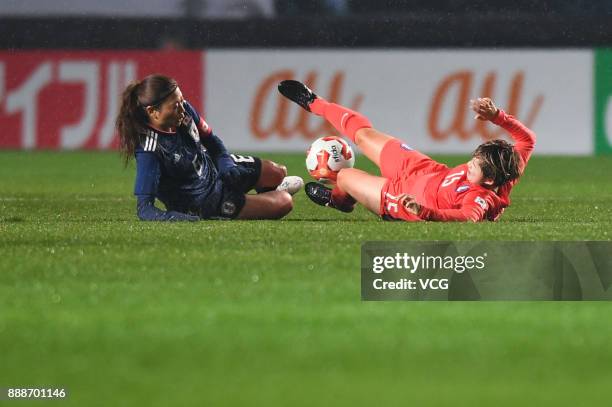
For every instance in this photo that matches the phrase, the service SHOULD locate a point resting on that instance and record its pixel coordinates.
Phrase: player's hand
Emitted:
(410, 204)
(484, 108)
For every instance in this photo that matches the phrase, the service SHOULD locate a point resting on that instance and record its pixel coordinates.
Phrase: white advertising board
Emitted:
(421, 97)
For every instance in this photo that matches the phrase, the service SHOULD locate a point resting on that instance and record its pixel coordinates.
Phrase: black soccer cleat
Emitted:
(318, 193)
(297, 92)
(321, 195)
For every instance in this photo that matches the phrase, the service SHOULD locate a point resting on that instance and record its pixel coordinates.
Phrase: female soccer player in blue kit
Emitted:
(181, 162)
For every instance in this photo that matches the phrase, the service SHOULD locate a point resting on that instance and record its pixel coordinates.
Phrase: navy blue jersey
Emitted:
(180, 169)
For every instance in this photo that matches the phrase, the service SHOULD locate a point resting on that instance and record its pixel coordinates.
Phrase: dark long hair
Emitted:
(499, 161)
(132, 116)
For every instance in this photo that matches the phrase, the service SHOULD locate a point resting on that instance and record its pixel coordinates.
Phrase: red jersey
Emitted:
(451, 197)
(445, 194)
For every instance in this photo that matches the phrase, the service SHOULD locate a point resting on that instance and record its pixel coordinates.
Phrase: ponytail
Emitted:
(132, 118)
(130, 121)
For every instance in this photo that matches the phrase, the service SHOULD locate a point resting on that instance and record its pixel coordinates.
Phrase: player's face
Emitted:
(474, 174)
(171, 112)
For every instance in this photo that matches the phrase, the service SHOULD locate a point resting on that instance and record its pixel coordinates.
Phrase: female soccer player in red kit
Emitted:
(414, 187)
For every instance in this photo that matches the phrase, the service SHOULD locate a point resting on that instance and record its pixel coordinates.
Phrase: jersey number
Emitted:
(242, 158)
(450, 178)
(392, 202)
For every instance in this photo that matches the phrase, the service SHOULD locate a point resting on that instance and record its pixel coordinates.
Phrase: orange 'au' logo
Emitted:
(464, 80)
(280, 123)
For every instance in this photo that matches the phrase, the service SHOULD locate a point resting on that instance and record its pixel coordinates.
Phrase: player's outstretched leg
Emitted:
(371, 143)
(348, 122)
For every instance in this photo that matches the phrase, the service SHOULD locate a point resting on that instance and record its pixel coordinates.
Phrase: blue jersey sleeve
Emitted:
(145, 189)
(210, 141)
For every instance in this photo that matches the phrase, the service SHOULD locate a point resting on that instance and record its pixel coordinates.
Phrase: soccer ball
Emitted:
(328, 155)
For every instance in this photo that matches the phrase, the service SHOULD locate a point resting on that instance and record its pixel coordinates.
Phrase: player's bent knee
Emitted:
(284, 204)
(280, 205)
(283, 171)
(274, 173)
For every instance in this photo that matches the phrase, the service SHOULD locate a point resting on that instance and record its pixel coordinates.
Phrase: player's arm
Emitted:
(524, 138)
(145, 189)
(214, 145)
(473, 208)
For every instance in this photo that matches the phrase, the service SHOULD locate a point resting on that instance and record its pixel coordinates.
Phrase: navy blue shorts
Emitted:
(226, 201)
(253, 167)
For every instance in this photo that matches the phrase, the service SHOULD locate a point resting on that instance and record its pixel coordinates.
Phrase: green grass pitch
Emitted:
(128, 313)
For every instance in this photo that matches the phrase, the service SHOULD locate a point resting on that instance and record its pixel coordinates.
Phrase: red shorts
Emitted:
(408, 172)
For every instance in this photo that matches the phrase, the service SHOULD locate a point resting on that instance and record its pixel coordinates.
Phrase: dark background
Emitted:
(332, 23)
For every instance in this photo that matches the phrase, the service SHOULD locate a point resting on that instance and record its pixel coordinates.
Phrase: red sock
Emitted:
(346, 121)
(341, 199)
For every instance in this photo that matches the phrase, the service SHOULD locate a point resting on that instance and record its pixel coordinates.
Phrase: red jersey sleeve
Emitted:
(524, 143)
(524, 138)
(203, 128)
(473, 208)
